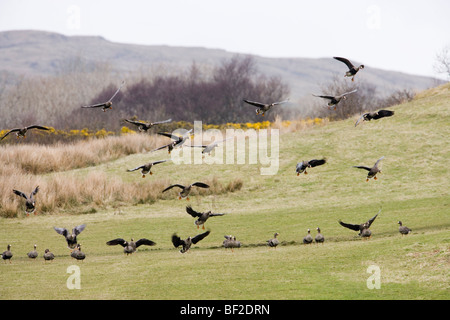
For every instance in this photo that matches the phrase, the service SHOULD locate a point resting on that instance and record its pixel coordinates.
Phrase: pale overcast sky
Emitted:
(401, 35)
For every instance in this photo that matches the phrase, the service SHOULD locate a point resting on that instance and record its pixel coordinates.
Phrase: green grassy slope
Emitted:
(414, 188)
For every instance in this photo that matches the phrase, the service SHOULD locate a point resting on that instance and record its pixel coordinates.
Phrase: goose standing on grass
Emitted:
(308, 238)
(30, 203)
(71, 238)
(273, 242)
(77, 254)
(21, 132)
(146, 168)
(303, 165)
(7, 255)
(374, 115)
(48, 256)
(131, 246)
(403, 229)
(33, 254)
(262, 108)
(334, 100)
(201, 216)
(145, 126)
(187, 243)
(185, 190)
(363, 228)
(231, 242)
(178, 141)
(352, 70)
(319, 237)
(372, 171)
(108, 104)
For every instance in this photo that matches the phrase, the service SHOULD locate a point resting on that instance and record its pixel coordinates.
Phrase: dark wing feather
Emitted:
(13, 130)
(346, 61)
(117, 241)
(200, 236)
(362, 167)
(254, 103)
(35, 191)
(37, 127)
(159, 161)
(171, 136)
(192, 212)
(137, 123)
(137, 168)
(99, 105)
(383, 113)
(176, 240)
(371, 220)
(144, 241)
(20, 193)
(315, 163)
(174, 185)
(161, 147)
(77, 230)
(354, 227)
(216, 214)
(200, 184)
(61, 231)
(325, 97)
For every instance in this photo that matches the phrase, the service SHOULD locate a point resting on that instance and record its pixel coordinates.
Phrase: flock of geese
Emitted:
(184, 191)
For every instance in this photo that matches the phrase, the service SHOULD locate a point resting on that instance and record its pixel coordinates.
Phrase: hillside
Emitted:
(45, 53)
(413, 187)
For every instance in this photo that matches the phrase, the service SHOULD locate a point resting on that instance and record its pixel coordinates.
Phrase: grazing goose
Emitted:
(363, 228)
(273, 242)
(21, 132)
(185, 190)
(210, 147)
(48, 256)
(186, 244)
(334, 100)
(130, 247)
(403, 229)
(108, 104)
(308, 238)
(146, 168)
(231, 242)
(71, 238)
(178, 141)
(7, 255)
(33, 254)
(77, 254)
(352, 70)
(319, 237)
(372, 171)
(303, 165)
(262, 108)
(375, 115)
(145, 126)
(30, 203)
(201, 216)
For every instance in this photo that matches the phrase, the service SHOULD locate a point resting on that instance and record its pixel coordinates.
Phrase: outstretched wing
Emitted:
(137, 168)
(200, 236)
(383, 113)
(13, 130)
(254, 103)
(137, 123)
(378, 164)
(159, 161)
(20, 193)
(174, 185)
(117, 241)
(324, 97)
(176, 240)
(35, 191)
(315, 163)
(37, 127)
(165, 121)
(346, 93)
(362, 167)
(216, 214)
(354, 227)
(161, 147)
(371, 220)
(144, 241)
(77, 230)
(61, 231)
(360, 118)
(346, 61)
(280, 102)
(192, 212)
(99, 105)
(171, 136)
(115, 93)
(200, 184)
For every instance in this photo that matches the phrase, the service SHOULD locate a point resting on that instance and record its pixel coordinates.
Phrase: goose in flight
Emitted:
(21, 132)
(130, 247)
(262, 108)
(334, 100)
(374, 115)
(145, 126)
(185, 190)
(177, 140)
(30, 201)
(146, 168)
(372, 171)
(105, 105)
(363, 228)
(303, 165)
(71, 238)
(210, 147)
(201, 216)
(352, 70)
(187, 243)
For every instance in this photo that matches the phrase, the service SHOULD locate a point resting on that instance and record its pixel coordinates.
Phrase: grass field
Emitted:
(413, 187)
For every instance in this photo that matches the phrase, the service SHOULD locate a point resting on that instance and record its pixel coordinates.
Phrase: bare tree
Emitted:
(442, 63)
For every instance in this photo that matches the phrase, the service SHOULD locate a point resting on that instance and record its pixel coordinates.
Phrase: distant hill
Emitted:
(43, 53)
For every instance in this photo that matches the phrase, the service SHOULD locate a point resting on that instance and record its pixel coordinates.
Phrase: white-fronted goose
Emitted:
(30, 203)
(131, 246)
(274, 241)
(178, 141)
(303, 165)
(375, 115)
(319, 237)
(33, 254)
(334, 100)
(146, 168)
(230, 242)
(21, 132)
(210, 147)
(262, 108)
(362, 228)
(185, 190)
(201, 216)
(71, 238)
(145, 126)
(7, 255)
(77, 253)
(403, 229)
(187, 243)
(48, 256)
(308, 238)
(108, 104)
(372, 171)
(352, 70)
